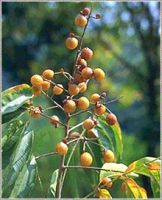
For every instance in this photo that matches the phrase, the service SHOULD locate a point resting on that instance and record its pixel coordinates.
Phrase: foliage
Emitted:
(20, 168)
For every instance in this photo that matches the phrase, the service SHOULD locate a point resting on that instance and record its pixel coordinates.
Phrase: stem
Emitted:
(74, 127)
(61, 168)
(46, 155)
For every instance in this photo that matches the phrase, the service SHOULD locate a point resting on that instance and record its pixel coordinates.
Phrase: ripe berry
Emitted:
(36, 91)
(74, 135)
(107, 182)
(58, 89)
(54, 120)
(108, 156)
(71, 43)
(73, 89)
(78, 78)
(82, 62)
(95, 97)
(91, 133)
(69, 106)
(86, 53)
(99, 109)
(98, 74)
(82, 87)
(86, 11)
(80, 21)
(48, 74)
(88, 124)
(61, 148)
(86, 159)
(111, 119)
(83, 103)
(87, 73)
(36, 80)
(45, 85)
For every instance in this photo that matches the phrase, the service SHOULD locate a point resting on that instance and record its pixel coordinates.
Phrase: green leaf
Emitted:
(11, 135)
(25, 180)
(52, 188)
(113, 135)
(15, 101)
(18, 158)
(148, 166)
(114, 170)
(133, 190)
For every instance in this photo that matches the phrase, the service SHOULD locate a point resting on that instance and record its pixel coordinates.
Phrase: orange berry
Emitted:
(95, 97)
(99, 109)
(111, 119)
(78, 78)
(58, 89)
(107, 182)
(108, 156)
(83, 103)
(82, 62)
(98, 74)
(36, 91)
(74, 135)
(45, 85)
(86, 53)
(88, 124)
(36, 80)
(69, 106)
(73, 89)
(86, 11)
(91, 133)
(87, 73)
(86, 159)
(61, 148)
(54, 120)
(82, 87)
(71, 43)
(80, 21)
(48, 74)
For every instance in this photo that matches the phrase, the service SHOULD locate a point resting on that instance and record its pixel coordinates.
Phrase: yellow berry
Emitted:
(86, 159)
(80, 21)
(88, 124)
(71, 43)
(78, 78)
(82, 87)
(58, 89)
(99, 109)
(61, 148)
(54, 120)
(98, 74)
(111, 119)
(69, 106)
(48, 74)
(82, 62)
(87, 73)
(74, 135)
(45, 85)
(108, 156)
(107, 182)
(36, 80)
(73, 89)
(83, 103)
(36, 91)
(95, 97)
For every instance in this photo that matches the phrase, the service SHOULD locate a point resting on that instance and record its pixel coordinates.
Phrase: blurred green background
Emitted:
(125, 42)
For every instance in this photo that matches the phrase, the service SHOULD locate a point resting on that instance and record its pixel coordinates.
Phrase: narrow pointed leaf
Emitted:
(52, 188)
(25, 180)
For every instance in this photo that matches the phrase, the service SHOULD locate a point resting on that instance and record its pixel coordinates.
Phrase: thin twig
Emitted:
(74, 127)
(45, 155)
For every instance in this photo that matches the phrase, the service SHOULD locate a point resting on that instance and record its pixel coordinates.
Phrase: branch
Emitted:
(45, 155)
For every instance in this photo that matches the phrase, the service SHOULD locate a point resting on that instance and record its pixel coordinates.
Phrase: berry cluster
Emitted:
(74, 99)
